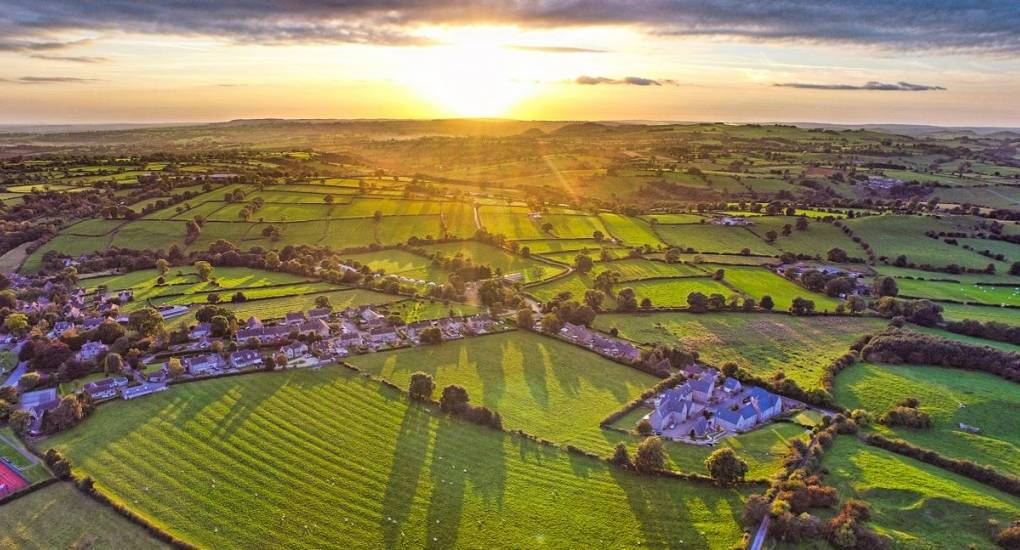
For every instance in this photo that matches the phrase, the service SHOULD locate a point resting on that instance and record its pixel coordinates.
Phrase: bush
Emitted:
(724, 465)
(421, 387)
(1009, 538)
(650, 456)
(621, 457)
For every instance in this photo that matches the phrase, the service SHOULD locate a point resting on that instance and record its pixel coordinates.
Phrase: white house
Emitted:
(294, 350)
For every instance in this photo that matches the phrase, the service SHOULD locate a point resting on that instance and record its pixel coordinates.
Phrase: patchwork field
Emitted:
(950, 396)
(632, 231)
(968, 293)
(892, 235)
(815, 241)
(919, 506)
(304, 459)
(757, 282)
(639, 268)
(673, 292)
(481, 253)
(763, 344)
(60, 516)
(958, 312)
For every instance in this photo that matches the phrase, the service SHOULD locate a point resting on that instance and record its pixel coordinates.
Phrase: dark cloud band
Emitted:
(873, 85)
(586, 80)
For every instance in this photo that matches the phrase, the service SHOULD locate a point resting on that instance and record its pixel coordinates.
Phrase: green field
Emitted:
(919, 506)
(484, 254)
(306, 459)
(60, 516)
(541, 385)
(957, 312)
(665, 219)
(639, 268)
(673, 292)
(950, 396)
(893, 235)
(763, 344)
(814, 241)
(513, 222)
(758, 282)
(401, 262)
(632, 231)
(968, 293)
(715, 238)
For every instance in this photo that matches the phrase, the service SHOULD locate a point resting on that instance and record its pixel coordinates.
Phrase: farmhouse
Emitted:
(37, 403)
(294, 350)
(140, 390)
(172, 311)
(383, 335)
(702, 388)
(317, 327)
(200, 331)
(731, 385)
(245, 358)
(91, 350)
(731, 221)
(105, 388)
(203, 364)
(579, 334)
(294, 318)
(265, 335)
(322, 313)
(615, 348)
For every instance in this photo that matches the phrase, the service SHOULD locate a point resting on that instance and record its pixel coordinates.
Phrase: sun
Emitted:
(471, 77)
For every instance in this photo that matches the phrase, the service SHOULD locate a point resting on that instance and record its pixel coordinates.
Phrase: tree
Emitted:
(650, 456)
(525, 318)
(724, 465)
(16, 323)
(29, 381)
(719, 274)
(421, 387)
(8, 299)
(162, 266)
(836, 254)
(431, 335)
(771, 236)
(598, 235)
(174, 367)
(646, 303)
(802, 306)
(20, 421)
(551, 324)
(857, 303)
(644, 427)
(377, 216)
(621, 457)
(697, 302)
(884, 286)
(626, 300)
(146, 321)
(109, 332)
(328, 198)
(454, 399)
(1014, 269)
(766, 303)
(113, 363)
(204, 270)
(322, 301)
(583, 263)
(220, 326)
(802, 224)
(594, 298)
(673, 255)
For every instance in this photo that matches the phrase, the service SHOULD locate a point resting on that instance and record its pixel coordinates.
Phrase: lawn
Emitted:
(60, 516)
(308, 459)
(950, 396)
(758, 282)
(715, 238)
(761, 343)
(530, 380)
(919, 506)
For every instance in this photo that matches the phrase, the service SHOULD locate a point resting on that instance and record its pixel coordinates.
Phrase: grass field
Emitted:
(892, 235)
(760, 343)
(673, 292)
(401, 262)
(632, 231)
(306, 459)
(674, 218)
(60, 516)
(1004, 346)
(12, 450)
(979, 294)
(541, 385)
(513, 222)
(816, 240)
(481, 253)
(957, 312)
(640, 268)
(715, 238)
(184, 279)
(950, 396)
(758, 282)
(919, 506)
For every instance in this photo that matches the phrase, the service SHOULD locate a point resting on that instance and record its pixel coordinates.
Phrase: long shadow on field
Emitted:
(402, 485)
(536, 374)
(246, 399)
(490, 373)
(662, 507)
(463, 455)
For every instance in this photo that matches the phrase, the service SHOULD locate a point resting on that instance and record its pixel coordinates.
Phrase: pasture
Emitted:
(60, 516)
(639, 268)
(715, 239)
(632, 231)
(304, 459)
(673, 292)
(950, 396)
(763, 344)
(757, 282)
(894, 235)
(484, 254)
(960, 292)
(918, 505)
(815, 241)
(958, 312)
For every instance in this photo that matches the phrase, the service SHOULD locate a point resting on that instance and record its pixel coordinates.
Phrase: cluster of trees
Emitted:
(922, 312)
(455, 400)
(907, 414)
(847, 529)
(904, 346)
(697, 302)
(650, 457)
(678, 357)
(562, 309)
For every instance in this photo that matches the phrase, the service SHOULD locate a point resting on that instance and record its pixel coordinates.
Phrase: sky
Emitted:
(850, 61)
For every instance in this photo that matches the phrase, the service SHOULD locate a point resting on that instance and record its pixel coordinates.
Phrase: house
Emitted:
(703, 387)
(317, 327)
(673, 407)
(37, 403)
(731, 385)
(172, 311)
(91, 350)
(369, 315)
(253, 322)
(321, 313)
(203, 364)
(265, 335)
(295, 350)
(142, 389)
(731, 221)
(105, 388)
(294, 318)
(200, 331)
(92, 323)
(451, 328)
(349, 339)
(245, 358)
(480, 324)
(323, 348)
(615, 348)
(702, 426)
(742, 419)
(383, 335)
(765, 403)
(125, 296)
(413, 330)
(578, 334)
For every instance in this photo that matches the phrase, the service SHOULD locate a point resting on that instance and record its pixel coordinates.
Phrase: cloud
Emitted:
(873, 85)
(24, 46)
(954, 26)
(554, 49)
(54, 80)
(586, 80)
(71, 58)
